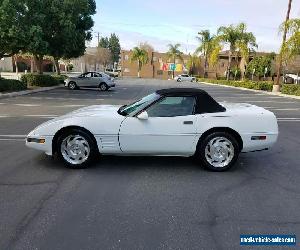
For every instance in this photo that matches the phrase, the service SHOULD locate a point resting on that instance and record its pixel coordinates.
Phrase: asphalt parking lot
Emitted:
(142, 202)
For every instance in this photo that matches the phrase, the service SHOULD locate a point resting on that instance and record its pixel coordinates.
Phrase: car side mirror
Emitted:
(143, 116)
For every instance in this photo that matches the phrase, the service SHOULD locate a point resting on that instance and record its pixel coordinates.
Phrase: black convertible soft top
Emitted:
(205, 103)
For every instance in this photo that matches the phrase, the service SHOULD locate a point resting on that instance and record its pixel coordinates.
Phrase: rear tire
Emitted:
(103, 86)
(179, 80)
(72, 85)
(76, 148)
(218, 151)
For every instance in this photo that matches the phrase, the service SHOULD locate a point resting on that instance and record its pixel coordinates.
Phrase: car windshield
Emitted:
(135, 107)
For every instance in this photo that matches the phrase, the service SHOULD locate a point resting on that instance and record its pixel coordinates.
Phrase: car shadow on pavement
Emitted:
(132, 163)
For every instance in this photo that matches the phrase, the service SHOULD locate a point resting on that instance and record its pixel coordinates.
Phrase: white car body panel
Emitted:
(158, 136)
(116, 134)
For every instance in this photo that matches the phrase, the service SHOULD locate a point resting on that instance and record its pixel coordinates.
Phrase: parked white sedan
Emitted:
(178, 122)
(185, 78)
(90, 80)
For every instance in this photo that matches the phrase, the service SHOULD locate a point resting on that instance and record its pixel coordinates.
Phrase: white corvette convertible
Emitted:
(178, 122)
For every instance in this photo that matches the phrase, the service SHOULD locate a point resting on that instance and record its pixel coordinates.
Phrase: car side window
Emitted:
(172, 106)
(87, 75)
(97, 75)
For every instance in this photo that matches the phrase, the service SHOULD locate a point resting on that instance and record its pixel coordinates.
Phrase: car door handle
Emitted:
(188, 122)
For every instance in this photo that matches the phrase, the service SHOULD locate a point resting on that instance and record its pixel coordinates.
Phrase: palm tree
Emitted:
(291, 47)
(246, 44)
(194, 62)
(237, 38)
(141, 56)
(279, 67)
(206, 47)
(173, 54)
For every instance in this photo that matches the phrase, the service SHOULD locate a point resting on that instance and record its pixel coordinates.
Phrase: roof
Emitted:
(174, 91)
(204, 104)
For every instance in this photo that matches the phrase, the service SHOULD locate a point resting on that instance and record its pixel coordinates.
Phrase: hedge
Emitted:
(40, 80)
(11, 85)
(60, 78)
(290, 89)
(258, 85)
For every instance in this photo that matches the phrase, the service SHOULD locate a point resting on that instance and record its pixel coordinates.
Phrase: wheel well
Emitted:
(66, 129)
(235, 134)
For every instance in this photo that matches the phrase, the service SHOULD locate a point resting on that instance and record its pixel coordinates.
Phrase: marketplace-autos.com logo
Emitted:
(267, 240)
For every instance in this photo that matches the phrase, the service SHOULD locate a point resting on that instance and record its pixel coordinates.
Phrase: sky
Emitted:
(161, 22)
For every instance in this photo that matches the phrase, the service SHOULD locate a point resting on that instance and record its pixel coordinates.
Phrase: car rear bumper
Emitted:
(250, 144)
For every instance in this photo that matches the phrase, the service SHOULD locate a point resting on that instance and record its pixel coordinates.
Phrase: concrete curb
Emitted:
(254, 90)
(26, 92)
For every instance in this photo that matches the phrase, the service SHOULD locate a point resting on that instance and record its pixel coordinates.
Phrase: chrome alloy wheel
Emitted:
(103, 87)
(75, 149)
(72, 85)
(219, 152)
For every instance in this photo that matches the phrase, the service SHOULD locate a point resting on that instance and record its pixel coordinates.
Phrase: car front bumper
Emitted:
(42, 143)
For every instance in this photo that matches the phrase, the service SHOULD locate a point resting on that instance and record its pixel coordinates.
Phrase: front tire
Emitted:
(76, 148)
(218, 151)
(72, 85)
(179, 80)
(103, 86)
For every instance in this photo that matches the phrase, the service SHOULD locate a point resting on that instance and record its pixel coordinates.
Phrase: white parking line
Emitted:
(14, 136)
(286, 109)
(274, 101)
(36, 116)
(27, 105)
(289, 120)
(67, 99)
(43, 116)
(67, 106)
(22, 140)
(253, 96)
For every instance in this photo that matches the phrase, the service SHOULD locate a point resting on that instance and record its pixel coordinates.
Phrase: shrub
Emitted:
(290, 89)
(39, 80)
(60, 78)
(11, 85)
(263, 85)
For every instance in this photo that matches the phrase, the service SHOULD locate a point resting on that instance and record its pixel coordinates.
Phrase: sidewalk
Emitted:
(26, 92)
(254, 90)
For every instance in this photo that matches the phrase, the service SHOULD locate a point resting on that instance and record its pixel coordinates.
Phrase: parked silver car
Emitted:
(91, 80)
(185, 77)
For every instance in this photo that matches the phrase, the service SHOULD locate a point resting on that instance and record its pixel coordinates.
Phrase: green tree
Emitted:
(104, 42)
(13, 33)
(114, 47)
(262, 65)
(206, 47)
(173, 54)
(238, 39)
(139, 55)
(291, 47)
(193, 63)
(45, 27)
(68, 28)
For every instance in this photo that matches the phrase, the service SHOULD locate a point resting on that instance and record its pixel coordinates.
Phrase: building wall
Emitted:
(6, 64)
(152, 69)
